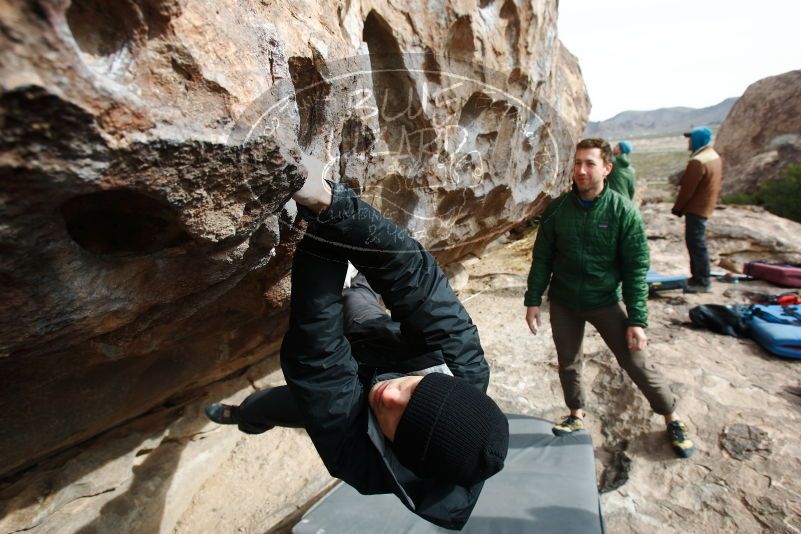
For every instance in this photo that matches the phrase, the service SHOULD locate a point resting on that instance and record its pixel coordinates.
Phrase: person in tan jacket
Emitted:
(698, 194)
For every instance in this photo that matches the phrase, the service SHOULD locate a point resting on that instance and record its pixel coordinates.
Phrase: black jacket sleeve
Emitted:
(409, 280)
(321, 372)
(316, 357)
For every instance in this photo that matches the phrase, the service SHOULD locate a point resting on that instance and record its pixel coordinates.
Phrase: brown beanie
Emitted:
(453, 431)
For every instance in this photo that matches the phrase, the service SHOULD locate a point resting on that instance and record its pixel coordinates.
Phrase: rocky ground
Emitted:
(173, 472)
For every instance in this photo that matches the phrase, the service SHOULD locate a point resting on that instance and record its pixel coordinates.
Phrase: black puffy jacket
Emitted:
(429, 325)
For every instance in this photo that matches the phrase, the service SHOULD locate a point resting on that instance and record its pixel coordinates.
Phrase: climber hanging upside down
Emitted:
(392, 405)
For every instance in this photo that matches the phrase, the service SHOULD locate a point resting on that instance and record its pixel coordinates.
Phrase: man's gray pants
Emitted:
(611, 322)
(695, 238)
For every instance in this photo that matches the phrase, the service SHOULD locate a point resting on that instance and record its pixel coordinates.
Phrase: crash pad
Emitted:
(546, 486)
(659, 282)
(776, 328)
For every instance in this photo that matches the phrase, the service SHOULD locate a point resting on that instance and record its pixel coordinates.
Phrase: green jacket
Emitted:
(621, 179)
(585, 254)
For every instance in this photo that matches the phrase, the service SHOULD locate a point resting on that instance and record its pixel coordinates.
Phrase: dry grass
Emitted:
(656, 158)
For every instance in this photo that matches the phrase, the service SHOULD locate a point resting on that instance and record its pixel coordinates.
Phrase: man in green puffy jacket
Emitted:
(590, 242)
(621, 179)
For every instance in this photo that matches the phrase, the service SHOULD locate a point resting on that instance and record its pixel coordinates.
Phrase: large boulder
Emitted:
(762, 133)
(145, 229)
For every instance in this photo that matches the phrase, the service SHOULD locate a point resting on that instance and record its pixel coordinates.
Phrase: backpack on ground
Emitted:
(726, 320)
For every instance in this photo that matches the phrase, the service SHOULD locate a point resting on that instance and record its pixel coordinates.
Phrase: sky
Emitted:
(650, 54)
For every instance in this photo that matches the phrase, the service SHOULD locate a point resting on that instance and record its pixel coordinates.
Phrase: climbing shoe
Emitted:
(682, 445)
(569, 424)
(223, 414)
(698, 288)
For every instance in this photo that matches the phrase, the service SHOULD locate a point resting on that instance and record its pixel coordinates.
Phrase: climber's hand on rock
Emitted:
(315, 193)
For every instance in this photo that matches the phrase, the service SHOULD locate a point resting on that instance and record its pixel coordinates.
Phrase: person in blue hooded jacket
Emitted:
(698, 194)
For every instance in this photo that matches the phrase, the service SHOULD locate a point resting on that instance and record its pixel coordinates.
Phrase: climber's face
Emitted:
(389, 399)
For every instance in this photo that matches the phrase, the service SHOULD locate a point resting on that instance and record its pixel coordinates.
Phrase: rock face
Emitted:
(150, 147)
(762, 133)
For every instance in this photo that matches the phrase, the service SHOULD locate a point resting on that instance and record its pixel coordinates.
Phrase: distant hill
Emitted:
(660, 121)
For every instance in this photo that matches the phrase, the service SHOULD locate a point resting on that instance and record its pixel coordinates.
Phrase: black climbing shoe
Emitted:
(223, 414)
(698, 288)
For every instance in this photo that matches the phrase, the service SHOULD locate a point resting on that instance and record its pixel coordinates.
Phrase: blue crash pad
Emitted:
(658, 282)
(776, 328)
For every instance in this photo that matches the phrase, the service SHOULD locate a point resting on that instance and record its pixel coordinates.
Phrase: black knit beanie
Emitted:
(453, 431)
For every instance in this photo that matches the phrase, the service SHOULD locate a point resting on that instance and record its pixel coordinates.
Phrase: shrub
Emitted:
(782, 197)
(740, 199)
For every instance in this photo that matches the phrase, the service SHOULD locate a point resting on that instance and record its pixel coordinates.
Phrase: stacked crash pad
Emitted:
(547, 486)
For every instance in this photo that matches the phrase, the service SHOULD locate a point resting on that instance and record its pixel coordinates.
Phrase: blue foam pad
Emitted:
(776, 328)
